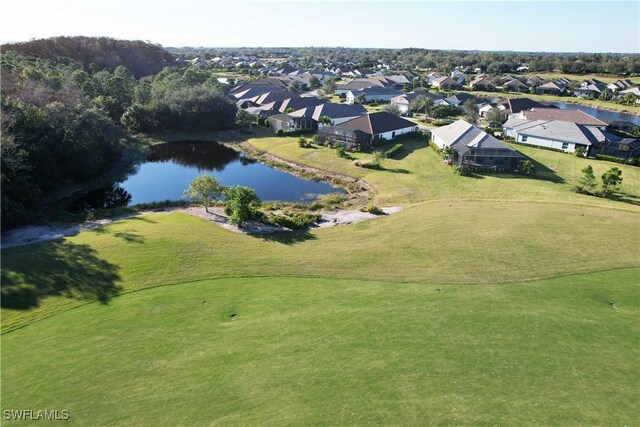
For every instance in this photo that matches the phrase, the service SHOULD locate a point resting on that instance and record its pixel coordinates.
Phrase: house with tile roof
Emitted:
(374, 93)
(564, 115)
(364, 130)
(337, 113)
(475, 148)
(482, 82)
(557, 135)
(405, 101)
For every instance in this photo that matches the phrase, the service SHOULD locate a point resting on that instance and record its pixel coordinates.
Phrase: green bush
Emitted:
(434, 146)
(373, 209)
(442, 122)
(341, 152)
(280, 132)
(393, 150)
(293, 219)
(610, 158)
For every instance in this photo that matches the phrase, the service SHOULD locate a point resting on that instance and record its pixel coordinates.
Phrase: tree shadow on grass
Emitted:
(58, 268)
(127, 236)
(626, 198)
(288, 237)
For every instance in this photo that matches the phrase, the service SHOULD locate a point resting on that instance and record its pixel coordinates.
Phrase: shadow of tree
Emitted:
(127, 236)
(63, 269)
(288, 237)
(626, 198)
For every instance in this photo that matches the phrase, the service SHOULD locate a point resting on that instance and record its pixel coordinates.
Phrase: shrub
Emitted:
(341, 152)
(369, 164)
(434, 146)
(610, 158)
(280, 132)
(442, 122)
(303, 143)
(293, 219)
(373, 209)
(393, 150)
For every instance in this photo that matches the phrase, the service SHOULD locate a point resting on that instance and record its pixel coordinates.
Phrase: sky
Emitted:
(550, 26)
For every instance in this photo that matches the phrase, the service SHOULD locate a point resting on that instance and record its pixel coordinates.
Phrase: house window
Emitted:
(393, 134)
(565, 145)
(524, 138)
(623, 147)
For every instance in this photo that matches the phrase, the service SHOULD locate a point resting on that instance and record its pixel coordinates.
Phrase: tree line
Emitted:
(63, 125)
(411, 59)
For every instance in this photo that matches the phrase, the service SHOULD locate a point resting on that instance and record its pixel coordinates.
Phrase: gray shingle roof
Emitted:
(376, 123)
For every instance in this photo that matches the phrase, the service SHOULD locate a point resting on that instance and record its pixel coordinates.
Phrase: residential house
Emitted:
(405, 101)
(458, 99)
(515, 105)
(293, 104)
(337, 113)
(515, 85)
(556, 134)
(363, 72)
(633, 90)
(475, 148)
(482, 82)
(622, 84)
(287, 123)
(534, 81)
(564, 115)
(374, 93)
(590, 89)
(626, 148)
(459, 77)
(445, 82)
(431, 77)
(555, 87)
(364, 130)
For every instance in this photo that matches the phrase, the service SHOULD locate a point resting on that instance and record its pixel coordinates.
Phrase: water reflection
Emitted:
(108, 197)
(204, 155)
(171, 166)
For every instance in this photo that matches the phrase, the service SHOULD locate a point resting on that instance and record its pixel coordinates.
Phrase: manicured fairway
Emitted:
(488, 300)
(440, 242)
(324, 351)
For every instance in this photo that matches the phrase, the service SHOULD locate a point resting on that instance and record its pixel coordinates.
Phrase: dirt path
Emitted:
(39, 233)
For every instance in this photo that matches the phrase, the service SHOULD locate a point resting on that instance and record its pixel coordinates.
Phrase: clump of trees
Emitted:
(587, 183)
(63, 124)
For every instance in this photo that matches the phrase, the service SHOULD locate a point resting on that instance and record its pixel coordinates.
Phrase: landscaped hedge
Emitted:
(610, 158)
(393, 150)
(442, 122)
(512, 141)
(434, 146)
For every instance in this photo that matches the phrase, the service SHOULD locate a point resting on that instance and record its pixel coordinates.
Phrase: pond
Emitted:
(604, 115)
(171, 166)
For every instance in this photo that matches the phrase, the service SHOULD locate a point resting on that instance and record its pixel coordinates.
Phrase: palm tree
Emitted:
(423, 103)
(448, 152)
(325, 120)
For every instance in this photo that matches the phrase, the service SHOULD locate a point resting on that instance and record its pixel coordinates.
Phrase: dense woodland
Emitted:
(63, 124)
(98, 53)
(441, 60)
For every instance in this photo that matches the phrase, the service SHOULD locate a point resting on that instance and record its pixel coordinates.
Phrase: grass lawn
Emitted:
(448, 242)
(322, 351)
(421, 175)
(489, 300)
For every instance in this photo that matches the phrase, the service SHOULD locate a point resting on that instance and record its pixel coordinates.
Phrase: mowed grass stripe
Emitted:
(561, 351)
(440, 242)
